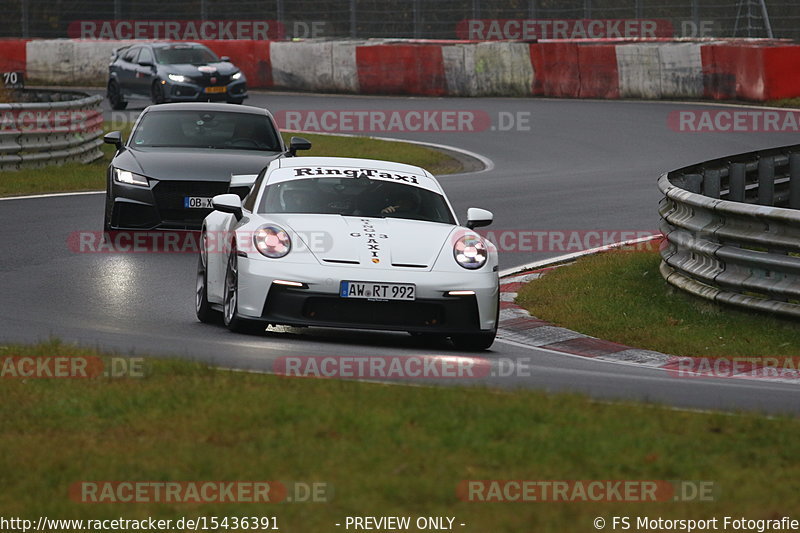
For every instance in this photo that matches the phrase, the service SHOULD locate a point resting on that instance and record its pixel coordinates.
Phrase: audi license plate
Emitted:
(197, 202)
(371, 290)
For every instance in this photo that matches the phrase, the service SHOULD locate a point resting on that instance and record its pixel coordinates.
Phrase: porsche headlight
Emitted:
(470, 251)
(126, 176)
(237, 75)
(272, 241)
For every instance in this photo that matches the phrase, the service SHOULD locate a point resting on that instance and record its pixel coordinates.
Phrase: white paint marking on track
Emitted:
(50, 195)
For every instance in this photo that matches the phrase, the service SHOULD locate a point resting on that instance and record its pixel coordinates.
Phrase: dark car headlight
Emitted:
(178, 77)
(237, 76)
(130, 178)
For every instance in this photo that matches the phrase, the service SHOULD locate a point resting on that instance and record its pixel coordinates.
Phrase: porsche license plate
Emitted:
(197, 202)
(374, 290)
(216, 89)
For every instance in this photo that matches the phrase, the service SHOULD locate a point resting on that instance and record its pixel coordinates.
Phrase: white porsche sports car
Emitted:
(352, 243)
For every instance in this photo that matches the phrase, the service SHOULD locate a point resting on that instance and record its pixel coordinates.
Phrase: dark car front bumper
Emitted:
(162, 204)
(205, 91)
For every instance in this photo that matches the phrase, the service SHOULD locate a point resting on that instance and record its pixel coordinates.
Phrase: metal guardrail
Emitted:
(732, 228)
(50, 128)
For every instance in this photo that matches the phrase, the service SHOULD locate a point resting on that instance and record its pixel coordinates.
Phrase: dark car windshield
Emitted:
(179, 55)
(206, 129)
(362, 197)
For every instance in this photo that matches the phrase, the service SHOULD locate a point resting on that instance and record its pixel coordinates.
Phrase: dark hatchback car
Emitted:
(173, 72)
(179, 156)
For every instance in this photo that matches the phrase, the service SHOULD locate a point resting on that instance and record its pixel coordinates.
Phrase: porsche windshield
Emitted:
(206, 129)
(185, 55)
(362, 197)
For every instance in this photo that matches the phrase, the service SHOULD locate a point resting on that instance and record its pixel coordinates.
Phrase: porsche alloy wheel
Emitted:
(230, 301)
(205, 313)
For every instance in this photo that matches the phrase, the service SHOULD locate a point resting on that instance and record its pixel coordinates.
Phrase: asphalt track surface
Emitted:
(582, 165)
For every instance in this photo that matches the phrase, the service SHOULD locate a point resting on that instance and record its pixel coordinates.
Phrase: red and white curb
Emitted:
(518, 326)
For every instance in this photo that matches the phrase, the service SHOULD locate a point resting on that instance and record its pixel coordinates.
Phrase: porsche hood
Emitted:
(378, 242)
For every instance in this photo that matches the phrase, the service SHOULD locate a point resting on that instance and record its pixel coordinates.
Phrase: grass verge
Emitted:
(383, 450)
(621, 297)
(79, 177)
(785, 102)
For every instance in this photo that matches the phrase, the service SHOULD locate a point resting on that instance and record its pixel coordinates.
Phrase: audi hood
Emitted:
(206, 165)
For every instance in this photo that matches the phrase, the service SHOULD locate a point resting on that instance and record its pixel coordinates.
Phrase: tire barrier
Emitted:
(732, 229)
(757, 70)
(50, 127)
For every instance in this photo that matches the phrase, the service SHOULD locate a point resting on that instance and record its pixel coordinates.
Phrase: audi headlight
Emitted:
(126, 176)
(237, 75)
(177, 77)
(470, 251)
(272, 241)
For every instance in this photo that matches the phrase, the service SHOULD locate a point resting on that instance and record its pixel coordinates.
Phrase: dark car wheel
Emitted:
(230, 300)
(114, 94)
(157, 93)
(205, 313)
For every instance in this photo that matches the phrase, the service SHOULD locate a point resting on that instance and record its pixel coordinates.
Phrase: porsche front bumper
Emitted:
(318, 303)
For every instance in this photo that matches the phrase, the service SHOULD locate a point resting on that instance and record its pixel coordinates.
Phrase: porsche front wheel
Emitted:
(205, 313)
(230, 301)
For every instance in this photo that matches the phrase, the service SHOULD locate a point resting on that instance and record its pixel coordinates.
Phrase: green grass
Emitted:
(621, 297)
(384, 450)
(331, 145)
(79, 177)
(785, 102)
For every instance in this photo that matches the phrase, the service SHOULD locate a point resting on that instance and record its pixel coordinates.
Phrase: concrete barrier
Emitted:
(489, 69)
(555, 69)
(639, 71)
(599, 76)
(327, 66)
(12, 55)
(659, 68)
(681, 70)
(70, 61)
(401, 69)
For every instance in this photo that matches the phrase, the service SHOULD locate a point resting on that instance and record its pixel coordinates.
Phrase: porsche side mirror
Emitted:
(228, 203)
(477, 217)
(115, 138)
(298, 143)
